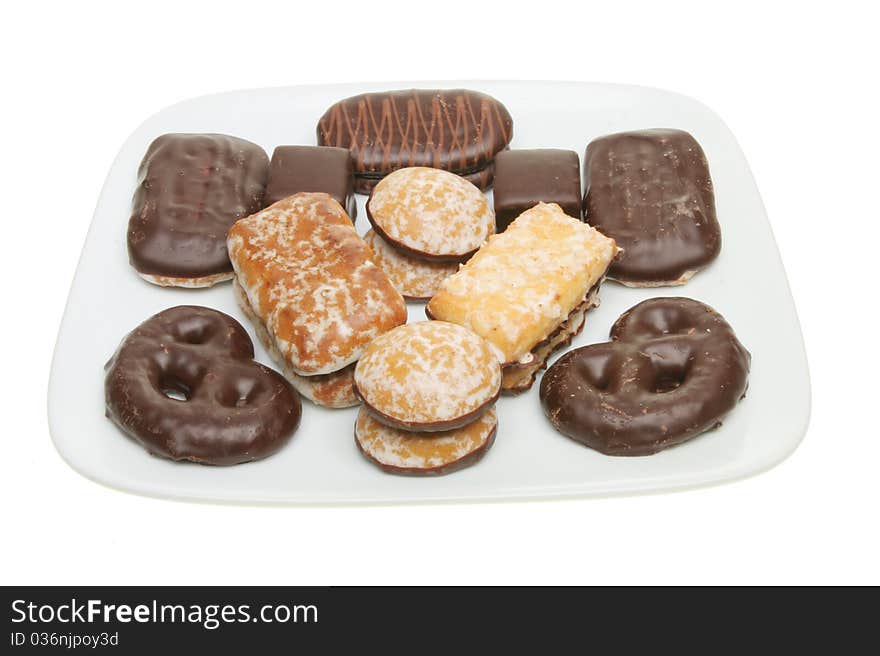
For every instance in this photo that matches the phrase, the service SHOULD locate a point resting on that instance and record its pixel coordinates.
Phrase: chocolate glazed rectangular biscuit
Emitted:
(651, 191)
(191, 189)
(456, 130)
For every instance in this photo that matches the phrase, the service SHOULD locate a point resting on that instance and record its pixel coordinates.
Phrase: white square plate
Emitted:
(321, 464)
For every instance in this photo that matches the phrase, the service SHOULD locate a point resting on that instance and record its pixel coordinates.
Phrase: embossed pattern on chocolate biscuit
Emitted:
(311, 168)
(456, 130)
(651, 191)
(191, 189)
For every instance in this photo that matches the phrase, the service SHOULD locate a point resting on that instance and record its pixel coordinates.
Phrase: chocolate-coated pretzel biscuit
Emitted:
(673, 368)
(185, 386)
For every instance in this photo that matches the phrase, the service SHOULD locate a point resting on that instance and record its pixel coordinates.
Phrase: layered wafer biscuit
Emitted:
(527, 289)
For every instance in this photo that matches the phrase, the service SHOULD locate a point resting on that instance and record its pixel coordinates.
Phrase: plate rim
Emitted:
(719, 475)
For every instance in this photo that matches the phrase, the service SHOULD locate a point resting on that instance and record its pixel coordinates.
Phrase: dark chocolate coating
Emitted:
(191, 189)
(651, 191)
(232, 409)
(311, 168)
(524, 178)
(672, 370)
(456, 130)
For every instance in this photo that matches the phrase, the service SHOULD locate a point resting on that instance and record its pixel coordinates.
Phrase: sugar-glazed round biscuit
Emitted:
(428, 376)
(398, 451)
(416, 279)
(430, 213)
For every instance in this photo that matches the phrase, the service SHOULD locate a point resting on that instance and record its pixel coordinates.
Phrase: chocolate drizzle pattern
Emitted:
(455, 130)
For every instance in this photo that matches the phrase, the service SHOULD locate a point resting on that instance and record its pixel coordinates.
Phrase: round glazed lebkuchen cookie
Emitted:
(431, 214)
(428, 376)
(403, 452)
(415, 279)
(672, 370)
(184, 384)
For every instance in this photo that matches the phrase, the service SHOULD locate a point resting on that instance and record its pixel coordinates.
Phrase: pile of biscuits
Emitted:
(428, 392)
(425, 222)
(506, 287)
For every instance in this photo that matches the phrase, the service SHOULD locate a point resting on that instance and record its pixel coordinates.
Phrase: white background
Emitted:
(797, 83)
